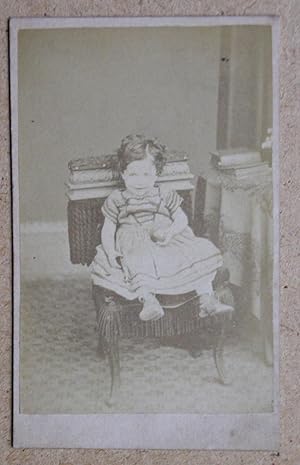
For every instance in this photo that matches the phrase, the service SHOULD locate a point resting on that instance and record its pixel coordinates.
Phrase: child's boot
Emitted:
(209, 305)
(152, 310)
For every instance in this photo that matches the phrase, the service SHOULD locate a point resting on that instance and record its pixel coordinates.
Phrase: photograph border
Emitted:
(143, 431)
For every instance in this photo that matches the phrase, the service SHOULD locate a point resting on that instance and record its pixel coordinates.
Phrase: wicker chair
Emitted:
(90, 182)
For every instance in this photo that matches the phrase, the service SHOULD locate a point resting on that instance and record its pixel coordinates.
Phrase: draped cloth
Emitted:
(238, 218)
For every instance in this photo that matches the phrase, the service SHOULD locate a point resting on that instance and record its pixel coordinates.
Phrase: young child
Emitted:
(147, 246)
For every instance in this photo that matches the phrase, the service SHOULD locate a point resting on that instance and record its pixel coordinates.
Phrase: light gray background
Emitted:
(289, 12)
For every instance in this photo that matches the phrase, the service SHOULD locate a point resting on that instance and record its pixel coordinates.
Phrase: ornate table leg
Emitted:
(108, 325)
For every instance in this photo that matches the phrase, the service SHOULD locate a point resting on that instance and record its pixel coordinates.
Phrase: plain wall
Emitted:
(250, 86)
(245, 86)
(82, 91)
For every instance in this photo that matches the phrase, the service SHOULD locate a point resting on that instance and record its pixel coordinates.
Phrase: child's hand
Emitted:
(162, 236)
(166, 240)
(112, 256)
(159, 235)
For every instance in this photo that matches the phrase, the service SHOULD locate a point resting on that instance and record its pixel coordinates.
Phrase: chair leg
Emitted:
(112, 351)
(99, 303)
(101, 347)
(218, 348)
(108, 326)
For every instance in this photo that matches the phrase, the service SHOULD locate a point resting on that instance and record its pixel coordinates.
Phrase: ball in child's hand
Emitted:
(159, 235)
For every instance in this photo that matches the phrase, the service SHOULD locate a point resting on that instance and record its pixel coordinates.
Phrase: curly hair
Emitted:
(137, 147)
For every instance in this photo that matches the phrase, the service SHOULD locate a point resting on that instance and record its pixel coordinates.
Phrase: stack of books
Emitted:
(240, 163)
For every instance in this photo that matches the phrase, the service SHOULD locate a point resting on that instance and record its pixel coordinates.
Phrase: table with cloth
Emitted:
(236, 214)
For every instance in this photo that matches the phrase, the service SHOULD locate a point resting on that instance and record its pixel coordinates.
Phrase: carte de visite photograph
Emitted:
(145, 238)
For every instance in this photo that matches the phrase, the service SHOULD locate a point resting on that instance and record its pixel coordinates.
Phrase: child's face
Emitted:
(140, 175)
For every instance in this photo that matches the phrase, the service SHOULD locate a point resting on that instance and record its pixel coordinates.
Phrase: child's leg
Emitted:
(206, 289)
(207, 298)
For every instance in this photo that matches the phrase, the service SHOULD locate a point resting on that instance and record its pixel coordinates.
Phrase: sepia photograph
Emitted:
(145, 173)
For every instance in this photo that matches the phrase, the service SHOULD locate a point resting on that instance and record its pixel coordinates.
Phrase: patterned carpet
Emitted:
(62, 373)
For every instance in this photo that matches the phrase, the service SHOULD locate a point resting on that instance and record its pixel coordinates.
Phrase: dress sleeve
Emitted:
(110, 208)
(173, 201)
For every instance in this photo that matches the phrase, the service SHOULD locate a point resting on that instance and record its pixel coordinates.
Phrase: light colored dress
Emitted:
(185, 264)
